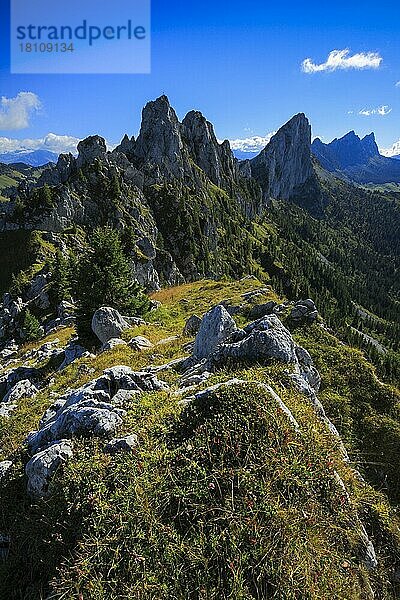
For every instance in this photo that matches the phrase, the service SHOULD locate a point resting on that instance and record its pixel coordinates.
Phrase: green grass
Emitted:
(221, 500)
(179, 303)
(365, 411)
(7, 181)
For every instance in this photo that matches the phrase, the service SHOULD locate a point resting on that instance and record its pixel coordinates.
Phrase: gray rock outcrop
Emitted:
(304, 311)
(41, 467)
(83, 419)
(94, 409)
(264, 340)
(215, 327)
(107, 323)
(72, 352)
(22, 389)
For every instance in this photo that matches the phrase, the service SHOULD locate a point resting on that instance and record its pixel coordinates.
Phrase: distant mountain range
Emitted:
(33, 158)
(243, 155)
(356, 159)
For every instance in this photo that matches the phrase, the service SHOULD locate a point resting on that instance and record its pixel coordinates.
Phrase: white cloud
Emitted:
(393, 151)
(255, 143)
(397, 84)
(54, 143)
(59, 144)
(342, 59)
(381, 110)
(15, 112)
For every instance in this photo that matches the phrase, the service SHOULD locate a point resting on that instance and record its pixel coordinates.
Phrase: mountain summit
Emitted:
(285, 163)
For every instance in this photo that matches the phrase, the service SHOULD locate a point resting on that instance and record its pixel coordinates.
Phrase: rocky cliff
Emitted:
(285, 163)
(172, 169)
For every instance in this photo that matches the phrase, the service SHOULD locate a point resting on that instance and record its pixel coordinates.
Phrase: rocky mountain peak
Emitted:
(285, 163)
(370, 145)
(159, 149)
(166, 149)
(345, 152)
(215, 159)
(90, 148)
(158, 114)
(127, 146)
(351, 135)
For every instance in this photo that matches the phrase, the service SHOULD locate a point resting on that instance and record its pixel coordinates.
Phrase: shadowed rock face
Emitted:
(215, 159)
(351, 157)
(345, 152)
(89, 149)
(159, 146)
(285, 163)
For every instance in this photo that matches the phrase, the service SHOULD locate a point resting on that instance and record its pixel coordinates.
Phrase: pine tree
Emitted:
(31, 327)
(61, 278)
(104, 278)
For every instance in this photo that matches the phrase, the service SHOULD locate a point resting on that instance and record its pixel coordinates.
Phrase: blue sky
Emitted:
(237, 62)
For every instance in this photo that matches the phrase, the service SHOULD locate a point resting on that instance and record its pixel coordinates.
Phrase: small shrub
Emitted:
(31, 327)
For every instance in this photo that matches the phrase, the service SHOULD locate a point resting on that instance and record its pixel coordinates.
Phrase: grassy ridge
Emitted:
(218, 501)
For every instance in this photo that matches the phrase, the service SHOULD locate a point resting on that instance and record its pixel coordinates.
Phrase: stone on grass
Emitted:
(215, 327)
(41, 468)
(86, 419)
(22, 389)
(124, 444)
(140, 343)
(71, 353)
(304, 310)
(192, 326)
(108, 323)
(113, 343)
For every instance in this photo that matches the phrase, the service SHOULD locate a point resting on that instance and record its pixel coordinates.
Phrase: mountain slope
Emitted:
(224, 494)
(229, 444)
(191, 206)
(187, 209)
